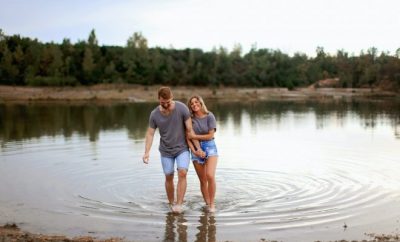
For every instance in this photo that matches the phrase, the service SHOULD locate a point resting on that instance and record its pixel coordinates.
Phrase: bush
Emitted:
(52, 81)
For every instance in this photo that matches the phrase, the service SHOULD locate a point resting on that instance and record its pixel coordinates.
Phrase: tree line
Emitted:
(25, 61)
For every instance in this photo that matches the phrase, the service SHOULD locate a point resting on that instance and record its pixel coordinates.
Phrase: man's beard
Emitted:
(165, 106)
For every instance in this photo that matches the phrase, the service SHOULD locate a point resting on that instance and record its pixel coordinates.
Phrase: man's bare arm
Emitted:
(149, 141)
(194, 144)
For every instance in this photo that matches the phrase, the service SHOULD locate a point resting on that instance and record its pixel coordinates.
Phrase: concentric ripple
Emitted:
(88, 185)
(283, 200)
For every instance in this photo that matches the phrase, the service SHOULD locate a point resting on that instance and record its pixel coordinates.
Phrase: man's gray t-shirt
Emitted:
(205, 124)
(172, 129)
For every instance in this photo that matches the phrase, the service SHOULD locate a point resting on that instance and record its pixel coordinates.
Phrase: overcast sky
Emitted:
(289, 25)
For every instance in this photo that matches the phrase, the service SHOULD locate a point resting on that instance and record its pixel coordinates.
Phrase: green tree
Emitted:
(2, 35)
(137, 41)
(88, 65)
(8, 71)
(110, 73)
(136, 59)
(92, 40)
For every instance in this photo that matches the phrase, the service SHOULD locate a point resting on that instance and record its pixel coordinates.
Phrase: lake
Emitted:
(287, 171)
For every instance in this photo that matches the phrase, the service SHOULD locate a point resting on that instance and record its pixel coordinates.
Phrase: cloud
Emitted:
(289, 25)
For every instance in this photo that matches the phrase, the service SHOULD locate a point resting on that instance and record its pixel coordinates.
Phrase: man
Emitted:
(172, 118)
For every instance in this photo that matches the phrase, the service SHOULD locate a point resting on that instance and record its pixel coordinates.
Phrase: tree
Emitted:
(19, 63)
(26, 61)
(88, 63)
(92, 40)
(110, 72)
(236, 51)
(2, 35)
(137, 41)
(137, 59)
(56, 65)
(320, 52)
(8, 71)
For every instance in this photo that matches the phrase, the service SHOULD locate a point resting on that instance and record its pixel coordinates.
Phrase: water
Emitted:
(289, 171)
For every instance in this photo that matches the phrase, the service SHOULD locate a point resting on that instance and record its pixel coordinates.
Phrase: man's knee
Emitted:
(182, 173)
(169, 178)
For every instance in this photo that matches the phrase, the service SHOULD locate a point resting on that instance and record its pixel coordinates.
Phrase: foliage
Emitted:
(24, 61)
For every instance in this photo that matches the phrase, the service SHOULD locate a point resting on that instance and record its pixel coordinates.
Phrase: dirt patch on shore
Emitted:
(11, 233)
(138, 93)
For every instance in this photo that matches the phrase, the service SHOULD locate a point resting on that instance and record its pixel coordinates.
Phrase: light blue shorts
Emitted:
(209, 147)
(182, 162)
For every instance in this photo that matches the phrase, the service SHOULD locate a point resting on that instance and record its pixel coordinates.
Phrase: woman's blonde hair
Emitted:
(203, 105)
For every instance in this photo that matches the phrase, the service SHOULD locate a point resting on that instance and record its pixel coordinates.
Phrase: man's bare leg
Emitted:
(169, 188)
(181, 189)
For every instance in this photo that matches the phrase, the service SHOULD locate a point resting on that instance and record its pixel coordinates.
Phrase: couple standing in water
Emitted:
(182, 128)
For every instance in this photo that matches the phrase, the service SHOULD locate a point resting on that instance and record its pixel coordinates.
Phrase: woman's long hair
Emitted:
(203, 105)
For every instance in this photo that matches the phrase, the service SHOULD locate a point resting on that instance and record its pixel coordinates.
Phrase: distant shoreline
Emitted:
(138, 93)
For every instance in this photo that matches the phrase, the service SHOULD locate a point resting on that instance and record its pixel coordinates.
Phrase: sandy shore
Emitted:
(11, 233)
(137, 93)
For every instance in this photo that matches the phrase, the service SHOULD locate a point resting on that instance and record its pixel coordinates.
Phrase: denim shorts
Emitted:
(209, 147)
(182, 162)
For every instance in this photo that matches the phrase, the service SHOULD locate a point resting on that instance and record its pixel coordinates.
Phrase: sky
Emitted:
(292, 26)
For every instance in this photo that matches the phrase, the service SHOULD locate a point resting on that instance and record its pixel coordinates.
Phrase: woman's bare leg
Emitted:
(202, 175)
(211, 166)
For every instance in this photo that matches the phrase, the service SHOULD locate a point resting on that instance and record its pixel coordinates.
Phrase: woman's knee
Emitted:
(210, 177)
(203, 181)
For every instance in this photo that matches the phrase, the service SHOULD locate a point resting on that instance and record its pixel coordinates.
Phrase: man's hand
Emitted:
(148, 142)
(146, 158)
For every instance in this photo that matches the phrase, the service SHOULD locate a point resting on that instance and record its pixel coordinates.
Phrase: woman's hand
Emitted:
(200, 153)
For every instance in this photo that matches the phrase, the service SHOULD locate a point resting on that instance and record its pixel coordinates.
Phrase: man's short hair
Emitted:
(165, 93)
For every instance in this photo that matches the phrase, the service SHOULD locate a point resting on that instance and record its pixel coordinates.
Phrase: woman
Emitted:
(204, 150)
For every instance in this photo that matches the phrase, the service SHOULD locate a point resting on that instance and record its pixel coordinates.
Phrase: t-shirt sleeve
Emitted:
(152, 122)
(212, 123)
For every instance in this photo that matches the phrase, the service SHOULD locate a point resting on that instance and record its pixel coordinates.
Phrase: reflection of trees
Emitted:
(396, 124)
(368, 112)
(18, 122)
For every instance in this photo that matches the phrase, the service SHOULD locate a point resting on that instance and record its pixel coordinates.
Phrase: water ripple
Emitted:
(112, 184)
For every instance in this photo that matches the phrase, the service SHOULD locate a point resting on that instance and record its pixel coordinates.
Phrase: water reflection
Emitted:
(176, 228)
(369, 112)
(207, 228)
(19, 122)
(292, 171)
(397, 130)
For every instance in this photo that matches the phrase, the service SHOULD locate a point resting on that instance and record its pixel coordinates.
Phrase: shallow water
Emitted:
(290, 171)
